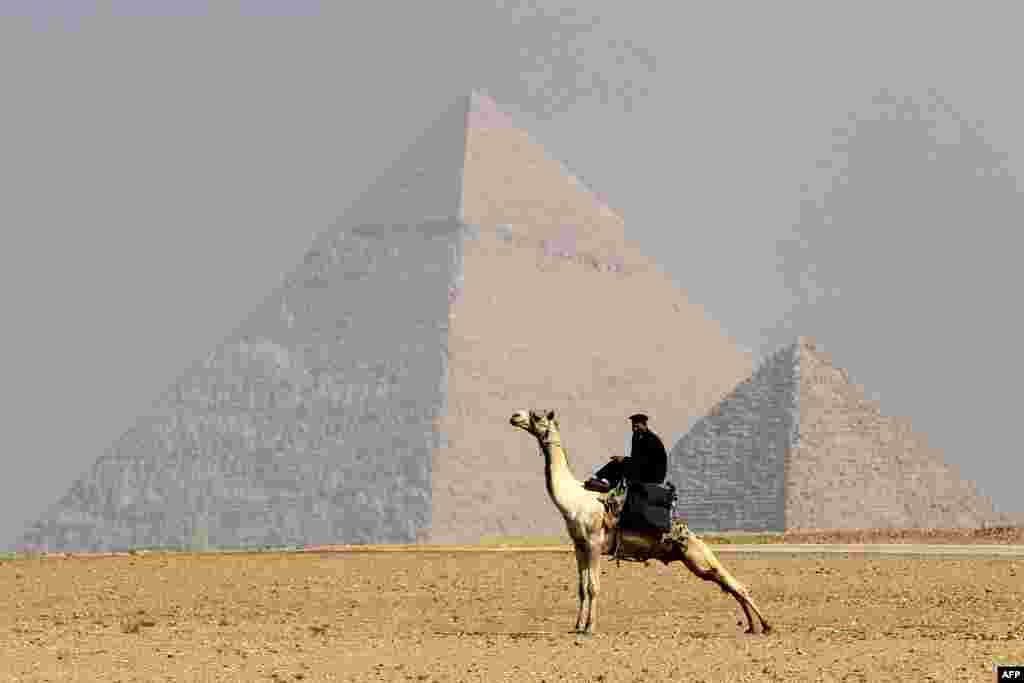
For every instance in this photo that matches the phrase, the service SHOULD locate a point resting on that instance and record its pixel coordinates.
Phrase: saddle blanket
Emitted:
(645, 506)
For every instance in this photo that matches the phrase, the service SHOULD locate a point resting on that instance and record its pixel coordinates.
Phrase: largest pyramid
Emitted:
(367, 400)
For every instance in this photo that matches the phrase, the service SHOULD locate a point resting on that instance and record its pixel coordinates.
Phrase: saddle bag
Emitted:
(649, 506)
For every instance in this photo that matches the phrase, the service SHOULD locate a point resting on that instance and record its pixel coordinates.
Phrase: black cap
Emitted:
(639, 417)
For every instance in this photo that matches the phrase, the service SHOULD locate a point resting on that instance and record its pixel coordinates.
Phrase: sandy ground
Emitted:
(433, 615)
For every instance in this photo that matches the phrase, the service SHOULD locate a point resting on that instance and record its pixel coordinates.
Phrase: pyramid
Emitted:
(797, 446)
(367, 400)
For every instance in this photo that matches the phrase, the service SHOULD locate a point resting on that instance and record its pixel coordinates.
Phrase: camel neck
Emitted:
(560, 482)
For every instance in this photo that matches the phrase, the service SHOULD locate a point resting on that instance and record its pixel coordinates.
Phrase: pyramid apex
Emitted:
(484, 112)
(806, 342)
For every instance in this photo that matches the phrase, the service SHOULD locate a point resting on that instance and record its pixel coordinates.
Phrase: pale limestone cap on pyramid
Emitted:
(484, 113)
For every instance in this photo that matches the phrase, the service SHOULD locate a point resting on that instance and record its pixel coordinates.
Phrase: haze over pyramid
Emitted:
(558, 309)
(797, 446)
(368, 399)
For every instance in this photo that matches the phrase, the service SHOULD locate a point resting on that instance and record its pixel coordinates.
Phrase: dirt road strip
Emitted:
(873, 549)
(937, 550)
(772, 549)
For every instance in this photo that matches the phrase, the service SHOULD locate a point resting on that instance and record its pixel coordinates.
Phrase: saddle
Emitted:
(648, 507)
(641, 506)
(638, 507)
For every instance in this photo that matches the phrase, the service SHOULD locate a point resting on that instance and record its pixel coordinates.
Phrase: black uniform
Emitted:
(647, 462)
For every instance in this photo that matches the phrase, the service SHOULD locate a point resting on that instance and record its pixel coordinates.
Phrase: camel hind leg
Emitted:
(704, 564)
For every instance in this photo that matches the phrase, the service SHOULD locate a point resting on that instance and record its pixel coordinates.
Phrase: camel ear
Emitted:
(551, 415)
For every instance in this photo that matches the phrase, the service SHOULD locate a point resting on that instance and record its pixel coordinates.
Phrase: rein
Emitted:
(546, 444)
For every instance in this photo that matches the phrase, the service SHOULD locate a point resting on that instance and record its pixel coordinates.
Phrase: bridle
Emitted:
(547, 440)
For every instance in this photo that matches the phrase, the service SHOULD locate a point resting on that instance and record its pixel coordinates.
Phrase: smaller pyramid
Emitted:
(798, 446)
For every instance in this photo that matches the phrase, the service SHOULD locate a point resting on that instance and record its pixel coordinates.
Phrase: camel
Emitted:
(591, 519)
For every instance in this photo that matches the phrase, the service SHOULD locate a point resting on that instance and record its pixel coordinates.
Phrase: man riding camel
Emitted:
(647, 461)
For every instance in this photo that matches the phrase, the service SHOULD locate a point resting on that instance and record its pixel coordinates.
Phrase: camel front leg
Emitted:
(593, 573)
(582, 595)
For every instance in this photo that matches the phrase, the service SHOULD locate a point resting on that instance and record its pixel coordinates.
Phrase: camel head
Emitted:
(542, 424)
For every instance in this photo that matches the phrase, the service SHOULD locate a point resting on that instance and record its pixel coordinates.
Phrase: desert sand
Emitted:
(438, 615)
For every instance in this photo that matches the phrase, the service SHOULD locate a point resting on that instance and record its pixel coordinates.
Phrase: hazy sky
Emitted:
(843, 170)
